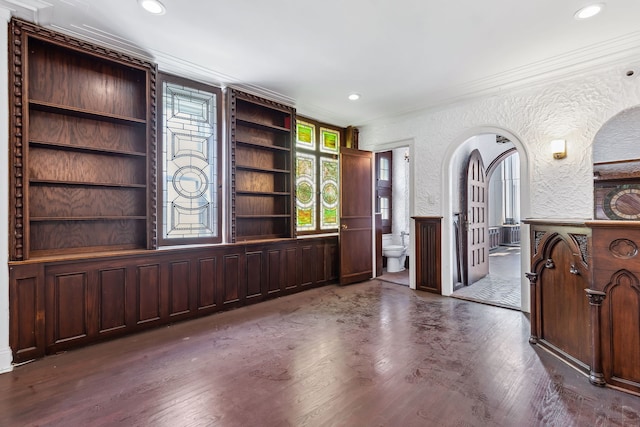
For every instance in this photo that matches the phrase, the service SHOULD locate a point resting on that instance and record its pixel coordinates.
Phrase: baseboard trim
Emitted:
(5, 360)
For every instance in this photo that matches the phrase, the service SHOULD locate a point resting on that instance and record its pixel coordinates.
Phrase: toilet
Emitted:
(396, 254)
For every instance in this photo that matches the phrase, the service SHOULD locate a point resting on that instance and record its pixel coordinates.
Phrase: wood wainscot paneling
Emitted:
(26, 312)
(428, 253)
(61, 303)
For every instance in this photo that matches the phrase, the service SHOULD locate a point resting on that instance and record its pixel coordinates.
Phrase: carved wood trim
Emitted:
(152, 159)
(263, 101)
(79, 44)
(232, 161)
(582, 242)
(16, 187)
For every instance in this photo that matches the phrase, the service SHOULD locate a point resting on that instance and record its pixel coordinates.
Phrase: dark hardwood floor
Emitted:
(369, 354)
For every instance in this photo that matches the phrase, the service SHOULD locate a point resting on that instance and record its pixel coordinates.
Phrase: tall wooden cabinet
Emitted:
(83, 131)
(261, 134)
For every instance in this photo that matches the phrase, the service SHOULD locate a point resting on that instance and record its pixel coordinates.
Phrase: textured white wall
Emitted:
(619, 138)
(573, 108)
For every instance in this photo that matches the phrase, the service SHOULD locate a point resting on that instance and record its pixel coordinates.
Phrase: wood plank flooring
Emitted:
(369, 354)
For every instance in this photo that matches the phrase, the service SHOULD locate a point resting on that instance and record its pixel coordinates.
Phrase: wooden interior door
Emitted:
(356, 215)
(475, 221)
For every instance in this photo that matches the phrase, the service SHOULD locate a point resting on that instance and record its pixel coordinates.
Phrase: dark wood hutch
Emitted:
(84, 261)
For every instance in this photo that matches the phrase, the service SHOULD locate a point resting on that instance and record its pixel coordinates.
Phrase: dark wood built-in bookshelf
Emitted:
(83, 132)
(261, 167)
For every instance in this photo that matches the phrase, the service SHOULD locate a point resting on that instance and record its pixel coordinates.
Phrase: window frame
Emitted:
(220, 178)
(384, 189)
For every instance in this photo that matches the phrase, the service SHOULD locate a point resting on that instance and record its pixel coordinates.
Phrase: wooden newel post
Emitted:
(533, 278)
(595, 301)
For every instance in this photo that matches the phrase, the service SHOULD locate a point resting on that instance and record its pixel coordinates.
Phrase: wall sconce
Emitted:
(559, 148)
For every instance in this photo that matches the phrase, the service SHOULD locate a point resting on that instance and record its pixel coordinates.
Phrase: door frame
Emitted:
(411, 251)
(448, 177)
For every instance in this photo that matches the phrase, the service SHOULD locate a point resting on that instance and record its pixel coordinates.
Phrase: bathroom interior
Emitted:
(392, 202)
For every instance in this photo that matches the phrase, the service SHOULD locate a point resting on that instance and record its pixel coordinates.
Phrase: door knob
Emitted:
(344, 227)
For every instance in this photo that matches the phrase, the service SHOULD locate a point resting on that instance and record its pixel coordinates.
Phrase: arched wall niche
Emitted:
(616, 167)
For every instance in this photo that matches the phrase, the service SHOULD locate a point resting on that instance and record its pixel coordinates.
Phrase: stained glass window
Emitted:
(329, 185)
(305, 135)
(317, 177)
(330, 141)
(190, 159)
(306, 192)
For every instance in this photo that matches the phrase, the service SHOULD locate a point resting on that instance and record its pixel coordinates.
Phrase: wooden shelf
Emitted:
(80, 112)
(259, 169)
(92, 184)
(263, 217)
(266, 146)
(258, 125)
(263, 193)
(93, 218)
(79, 148)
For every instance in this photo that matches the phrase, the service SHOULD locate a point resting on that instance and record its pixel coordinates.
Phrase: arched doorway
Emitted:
(451, 183)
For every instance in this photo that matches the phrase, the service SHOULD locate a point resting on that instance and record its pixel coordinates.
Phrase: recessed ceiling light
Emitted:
(152, 6)
(354, 97)
(589, 11)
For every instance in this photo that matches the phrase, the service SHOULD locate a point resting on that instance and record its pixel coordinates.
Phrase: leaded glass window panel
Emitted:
(190, 150)
(305, 192)
(305, 135)
(329, 185)
(330, 141)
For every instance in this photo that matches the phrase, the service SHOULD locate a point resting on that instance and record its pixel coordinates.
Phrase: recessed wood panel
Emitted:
(111, 290)
(290, 271)
(69, 309)
(320, 264)
(307, 265)
(148, 293)
(428, 258)
(25, 295)
(254, 274)
(565, 316)
(179, 284)
(231, 274)
(621, 331)
(207, 282)
(275, 261)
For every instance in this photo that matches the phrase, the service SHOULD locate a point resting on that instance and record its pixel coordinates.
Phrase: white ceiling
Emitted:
(400, 55)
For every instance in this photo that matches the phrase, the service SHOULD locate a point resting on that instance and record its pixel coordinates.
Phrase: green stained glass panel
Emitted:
(305, 192)
(329, 141)
(305, 135)
(329, 189)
